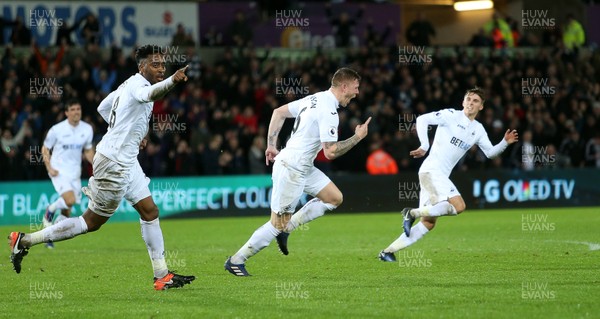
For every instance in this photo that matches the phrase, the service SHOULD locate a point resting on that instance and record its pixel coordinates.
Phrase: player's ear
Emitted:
(141, 65)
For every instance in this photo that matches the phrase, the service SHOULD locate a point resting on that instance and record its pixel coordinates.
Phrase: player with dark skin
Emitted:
(117, 173)
(153, 69)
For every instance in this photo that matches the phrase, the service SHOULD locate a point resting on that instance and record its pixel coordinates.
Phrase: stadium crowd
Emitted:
(216, 123)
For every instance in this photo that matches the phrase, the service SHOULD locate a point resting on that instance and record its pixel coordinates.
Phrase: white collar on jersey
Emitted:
(337, 103)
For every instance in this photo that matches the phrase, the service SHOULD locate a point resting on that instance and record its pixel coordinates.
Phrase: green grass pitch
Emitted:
(526, 263)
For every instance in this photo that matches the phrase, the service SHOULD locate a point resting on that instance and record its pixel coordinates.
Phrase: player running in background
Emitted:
(294, 173)
(66, 140)
(457, 131)
(117, 172)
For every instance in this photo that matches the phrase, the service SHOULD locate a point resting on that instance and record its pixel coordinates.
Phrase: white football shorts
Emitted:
(435, 188)
(112, 182)
(289, 183)
(64, 183)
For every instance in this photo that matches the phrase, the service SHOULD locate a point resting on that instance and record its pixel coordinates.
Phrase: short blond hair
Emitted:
(344, 75)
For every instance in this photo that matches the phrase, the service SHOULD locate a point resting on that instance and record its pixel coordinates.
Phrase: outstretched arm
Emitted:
(333, 150)
(158, 90)
(492, 151)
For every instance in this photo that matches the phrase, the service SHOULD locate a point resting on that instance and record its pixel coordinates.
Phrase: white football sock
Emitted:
(440, 209)
(60, 218)
(153, 237)
(312, 210)
(66, 229)
(261, 238)
(416, 232)
(58, 204)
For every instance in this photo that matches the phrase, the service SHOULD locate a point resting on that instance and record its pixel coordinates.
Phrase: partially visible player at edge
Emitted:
(117, 172)
(61, 152)
(457, 131)
(294, 173)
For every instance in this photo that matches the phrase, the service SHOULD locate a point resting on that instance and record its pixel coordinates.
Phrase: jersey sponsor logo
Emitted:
(460, 144)
(464, 128)
(72, 146)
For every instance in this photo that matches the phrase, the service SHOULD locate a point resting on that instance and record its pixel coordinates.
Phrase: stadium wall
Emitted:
(23, 203)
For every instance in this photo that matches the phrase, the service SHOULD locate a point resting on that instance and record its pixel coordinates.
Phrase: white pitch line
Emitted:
(592, 246)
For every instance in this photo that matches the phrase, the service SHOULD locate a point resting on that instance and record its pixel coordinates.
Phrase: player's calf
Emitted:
(428, 222)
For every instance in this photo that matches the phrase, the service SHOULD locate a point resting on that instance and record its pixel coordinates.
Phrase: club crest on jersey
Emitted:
(333, 131)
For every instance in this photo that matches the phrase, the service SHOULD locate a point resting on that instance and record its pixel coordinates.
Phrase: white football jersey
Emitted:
(67, 144)
(454, 136)
(316, 122)
(127, 111)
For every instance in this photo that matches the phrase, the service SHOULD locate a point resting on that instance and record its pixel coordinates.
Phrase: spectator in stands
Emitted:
(189, 40)
(343, 25)
(239, 30)
(592, 151)
(573, 34)
(380, 162)
(63, 35)
(212, 38)
(551, 159)
(3, 24)
(499, 30)
(420, 31)
(523, 154)
(374, 38)
(481, 39)
(211, 161)
(195, 66)
(21, 35)
(514, 30)
(574, 148)
(104, 80)
(256, 156)
(91, 29)
(180, 160)
(45, 60)
(179, 36)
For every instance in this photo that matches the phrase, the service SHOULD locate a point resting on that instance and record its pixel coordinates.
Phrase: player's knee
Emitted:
(151, 213)
(278, 224)
(460, 207)
(336, 200)
(69, 201)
